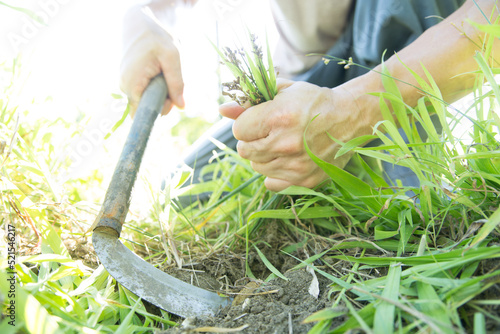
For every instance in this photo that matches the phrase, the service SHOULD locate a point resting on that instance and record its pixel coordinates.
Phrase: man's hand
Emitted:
(271, 134)
(149, 50)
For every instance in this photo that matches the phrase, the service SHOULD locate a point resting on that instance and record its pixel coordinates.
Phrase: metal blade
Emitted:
(152, 284)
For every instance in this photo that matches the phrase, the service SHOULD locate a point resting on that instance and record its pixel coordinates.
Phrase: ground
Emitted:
(259, 306)
(277, 306)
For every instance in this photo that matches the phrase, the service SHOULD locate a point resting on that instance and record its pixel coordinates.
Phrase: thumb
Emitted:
(232, 110)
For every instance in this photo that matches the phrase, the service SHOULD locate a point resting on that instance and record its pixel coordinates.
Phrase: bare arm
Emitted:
(446, 50)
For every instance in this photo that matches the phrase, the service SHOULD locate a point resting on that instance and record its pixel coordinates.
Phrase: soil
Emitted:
(82, 249)
(277, 306)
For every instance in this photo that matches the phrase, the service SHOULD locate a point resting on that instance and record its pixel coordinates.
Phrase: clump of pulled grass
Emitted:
(254, 81)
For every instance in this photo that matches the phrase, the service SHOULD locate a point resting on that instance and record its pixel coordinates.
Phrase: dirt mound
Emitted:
(277, 306)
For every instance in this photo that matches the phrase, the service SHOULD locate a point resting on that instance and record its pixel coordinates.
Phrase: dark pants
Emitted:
(374, 27)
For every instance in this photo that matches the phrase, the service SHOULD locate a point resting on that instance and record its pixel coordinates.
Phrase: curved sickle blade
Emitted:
(152, 284)
(128, 269)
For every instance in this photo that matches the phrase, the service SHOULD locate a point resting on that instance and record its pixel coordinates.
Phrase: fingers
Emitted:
(253, 124)
(256, 122)
(273, 146)
(253, 151)
(171, 67)
(147, 58)
(276, 184)
(167, 106)
(289, 168)
(279, 184)
(253, 121)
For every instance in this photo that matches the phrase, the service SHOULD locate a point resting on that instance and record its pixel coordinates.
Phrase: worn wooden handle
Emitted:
(117, 199)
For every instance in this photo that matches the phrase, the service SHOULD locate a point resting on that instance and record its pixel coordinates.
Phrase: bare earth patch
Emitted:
(266, 307)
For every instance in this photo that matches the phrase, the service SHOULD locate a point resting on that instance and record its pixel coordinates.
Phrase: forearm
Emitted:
(445, 50)
(151, 16)
(164, 10)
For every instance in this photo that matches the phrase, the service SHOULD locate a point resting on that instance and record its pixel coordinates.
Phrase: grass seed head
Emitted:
(254, 82)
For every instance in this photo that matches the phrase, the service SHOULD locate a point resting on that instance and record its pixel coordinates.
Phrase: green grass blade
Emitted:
(488, 74)
(309, 213)
(348, 182)
(353, 143)
(325, 314)
(430, 304)
(487, 228)
(269, 265)
(479, 323)
(272, 73)
(493, 29)
(119, 122)
(385, 311)
(398, 106)
(384, 108)
(440, 107)
(435, 97)
(302, 191)
(124, 327)
(445, 256)
(363, 318)
(256, 74)
(28, 12)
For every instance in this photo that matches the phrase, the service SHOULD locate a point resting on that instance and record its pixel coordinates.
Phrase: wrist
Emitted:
(138, 24)
(364, 107)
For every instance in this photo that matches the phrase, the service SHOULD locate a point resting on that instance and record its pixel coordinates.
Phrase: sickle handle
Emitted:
(117, 199)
